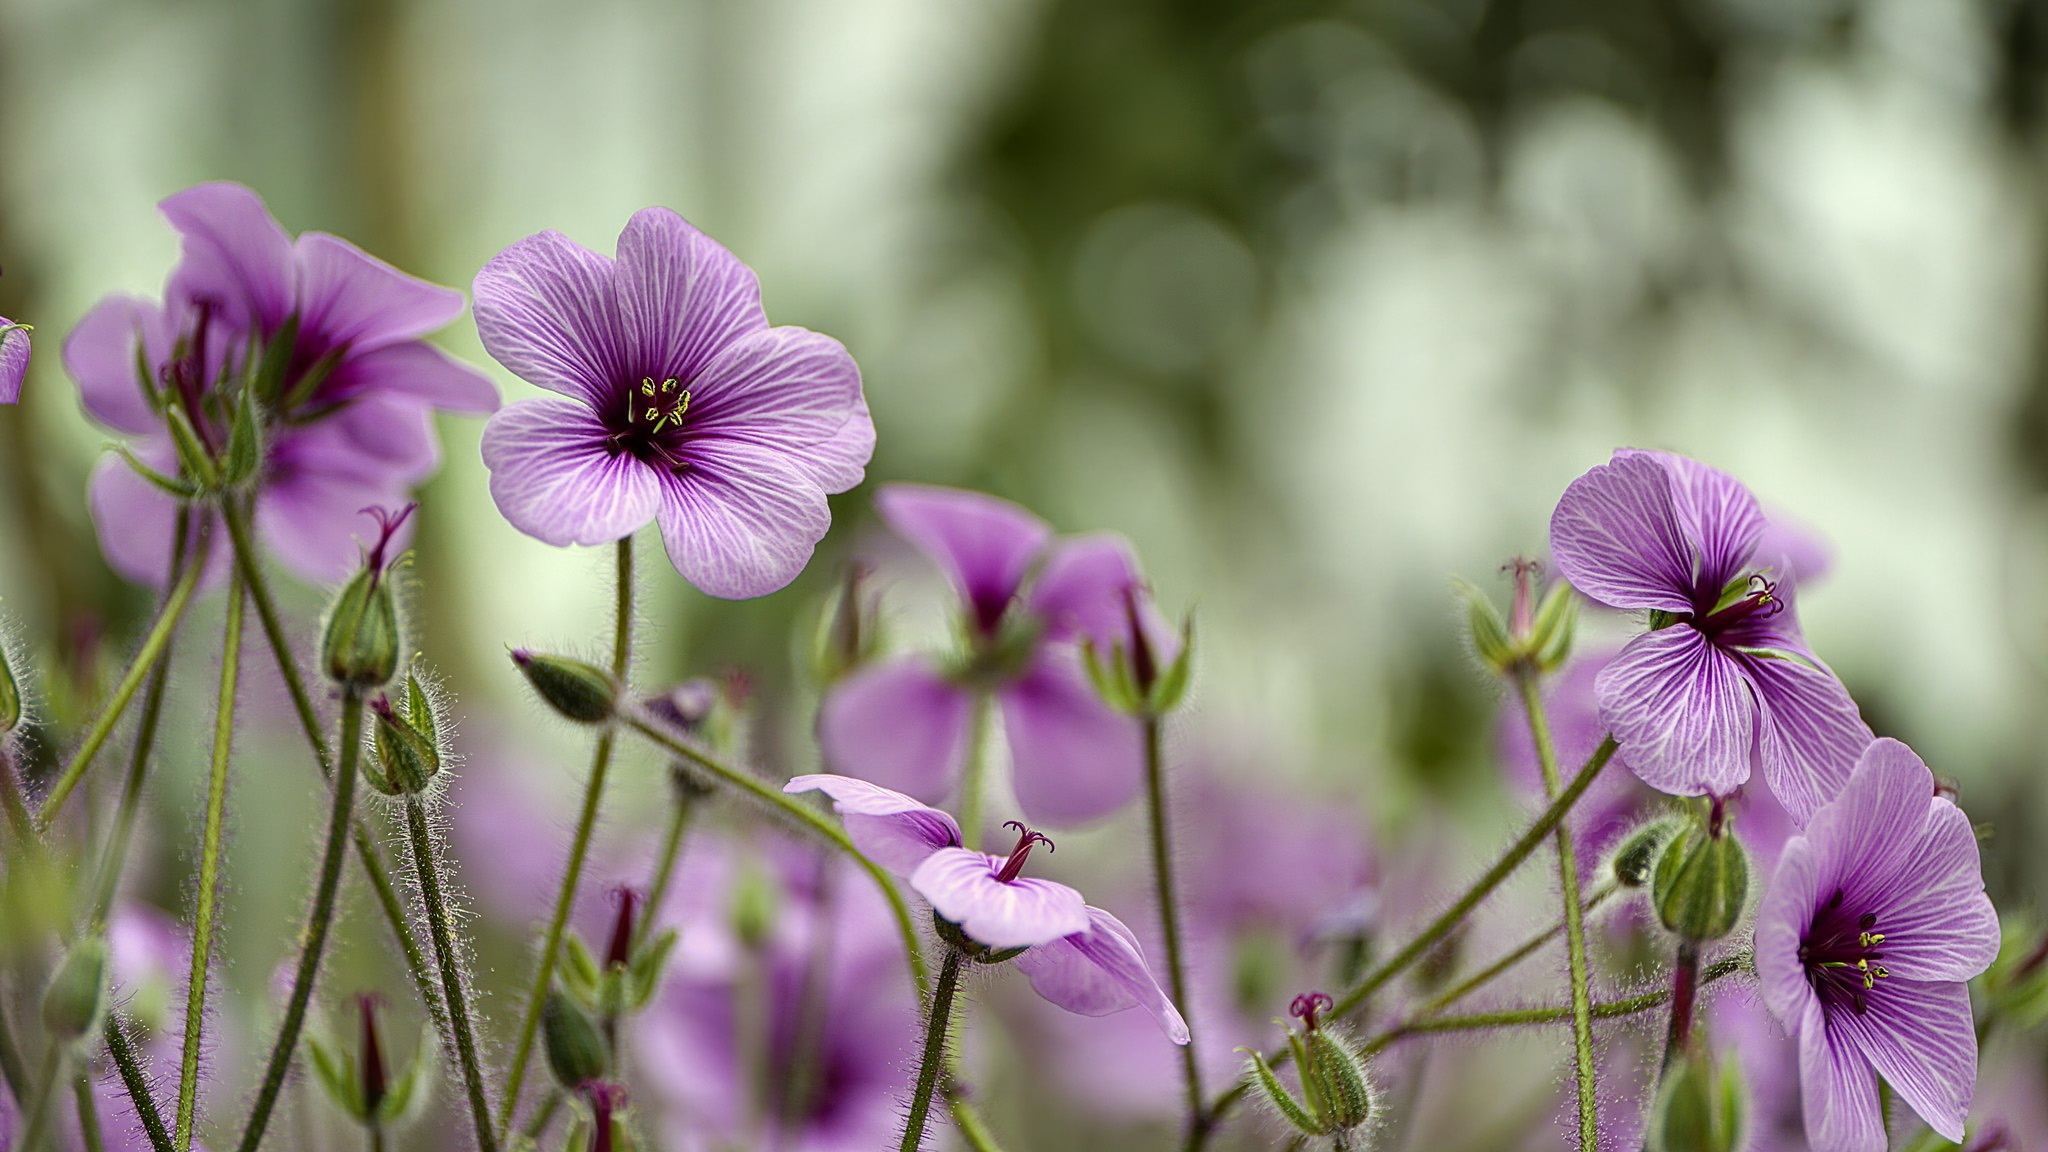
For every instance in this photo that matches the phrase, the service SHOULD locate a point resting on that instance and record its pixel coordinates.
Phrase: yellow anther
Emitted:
(1872, 939)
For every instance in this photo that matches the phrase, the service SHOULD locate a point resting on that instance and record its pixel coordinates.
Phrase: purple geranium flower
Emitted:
(1873, 923)
(13, 359)
(1076, 955)
(349, 421)
(905, 722)
(683, 406)
(1723, 680)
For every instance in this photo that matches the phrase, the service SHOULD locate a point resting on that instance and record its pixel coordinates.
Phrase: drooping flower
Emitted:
(1724, 681)
(1027, 603)
(680, 405)
(13, 359)
(348, 410)
(1873, 923)
(1077, 956)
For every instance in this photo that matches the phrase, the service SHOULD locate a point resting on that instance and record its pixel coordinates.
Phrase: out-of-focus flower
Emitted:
(905, 722)
(1076, 955)
(1723, 680)
(329, 336)
(1872, 925)
(682, 405)
(13, 359)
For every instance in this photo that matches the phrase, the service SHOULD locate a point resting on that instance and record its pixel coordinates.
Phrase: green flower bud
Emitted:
(78, 992)
(1700, 1108)
(575, 1050)
(408, 754)
(1700, 884)
(1537, 632)
(360, 648)
(847, 636)
(756, 902)
(1635, 862)
(1336, 1093)
(10, 696)
(577, 691)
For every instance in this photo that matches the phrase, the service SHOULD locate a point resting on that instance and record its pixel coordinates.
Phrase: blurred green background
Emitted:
(1319, 301)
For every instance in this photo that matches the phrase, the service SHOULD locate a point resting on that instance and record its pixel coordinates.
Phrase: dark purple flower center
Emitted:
(1308, 1006)
(1026, 838)
(1761, 597)
(648, 424)
(1840, 952)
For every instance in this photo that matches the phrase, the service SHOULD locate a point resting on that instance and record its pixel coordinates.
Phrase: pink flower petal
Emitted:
(14, 348)
(1921, 1038)
(547, 308)
(1074, 758)
(1026, 912)
(1099, 971)
(1720, 515)
(349, 298)
(235, 256)
(1682, 711)
(1838, 1090)
(1811, 731)
(1618, 537)
(793, 391)
(554, 478)
(888, 827)
(684, 298)
(983, 544)
(740, 520)
(1079, 592)
(414, 370)
(899, 723)
(100, 353)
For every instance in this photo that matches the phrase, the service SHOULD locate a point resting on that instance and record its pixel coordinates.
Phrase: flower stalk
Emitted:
(446, 957)
(1169, 905)
(930, 1066)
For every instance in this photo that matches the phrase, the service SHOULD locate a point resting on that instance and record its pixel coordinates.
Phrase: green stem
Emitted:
(209, 866)
(46, 1091)
(579, 849)
(1520, 850)
(1574, 928)
(88, 1113)
(1528, 948)
(974, 775)
(1169, 905)
(973, 1129)
(934, 1052)
(251, 569)
(543, 1115)
(451, 970)
(153, 648)
(317, 921)
(665, 864)
(137, 1083)
(1685, 981)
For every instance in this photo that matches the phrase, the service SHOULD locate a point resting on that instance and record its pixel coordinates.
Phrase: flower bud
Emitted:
(576, 1052)
(576, 691)
(78, 992)
(1635, 862)
(360, 649)
(1537, 633)
(1700, 1108)
(10, 696)
(756, 901)
(1336, 1093)
(1146, 672)
(408, 754)
(1701, 881)
(847, 636)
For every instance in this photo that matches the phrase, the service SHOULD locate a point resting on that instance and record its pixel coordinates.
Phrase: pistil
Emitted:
(1014, 866)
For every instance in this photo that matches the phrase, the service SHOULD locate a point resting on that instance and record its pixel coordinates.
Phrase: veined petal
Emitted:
(1682, 711)
(888, 827)
(383, 441)
(1100, 971)
(548, 309)
(1938, 922)
(1920, 1037)
(740, 520)
(1838, 1091)
(682, 295)
(235, 255)
(1880, 813)
(1721, 517)
(349, 298)
(1073, 757)
(1026, 912)
(416, 370)
(13, 361)
(556, 480)
(898, 722)
(1617, 536)
(790, 390)
(983, 544)
(100, 353)
(1079, 590)
(1782, 919)
(314, 522)
(1810, 730)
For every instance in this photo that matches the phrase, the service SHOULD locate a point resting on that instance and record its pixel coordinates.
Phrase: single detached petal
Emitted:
(888, 827)
(898, 722)
(1100, 971)
(102, 354)
(414, 370)
(1079, 591)
(1837, 1089)
(1617, 536)
(1073, 757)
(1026, 912)
(983, 544)
(1921, 1038)
(793, 391)
(740, 520)
(236, 257)
(13, 360)
(555, 478)
(1683, 712)
(548, 309)
(683, 296)
(350, 299)
(1720, 515)
(1811, 731)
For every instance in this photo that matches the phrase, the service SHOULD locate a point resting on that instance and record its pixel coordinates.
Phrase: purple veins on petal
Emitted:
(889, 828)
(1100, 970)
(967, 888)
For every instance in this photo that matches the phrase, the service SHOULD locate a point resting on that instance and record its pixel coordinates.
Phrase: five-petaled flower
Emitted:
(1723, 681)
(1865, 940)
(905, 721)
(682, 405)
(1077, 956)
(13, 359)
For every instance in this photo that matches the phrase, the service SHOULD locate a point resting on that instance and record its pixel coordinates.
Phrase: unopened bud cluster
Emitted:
(1146, 672)
(367, 1089)
(360, 648)
(1701, 879)
(579, 1015)
(408, 747)
(1337, 1095)
(1537, 633)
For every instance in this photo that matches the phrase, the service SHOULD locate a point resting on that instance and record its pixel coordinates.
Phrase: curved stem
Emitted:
(579, 849)
(88, 1113)
(934, 1052)
(685, 802)
(209, 866)
(1526, 949)
(1169, 904)
(137, 1083)
(322, 915)
(153, 648)
(973, 1129)
(451, 970)
(1574, 928)
(537, 1125)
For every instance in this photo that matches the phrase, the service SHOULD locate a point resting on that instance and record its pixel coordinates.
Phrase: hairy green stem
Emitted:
(153, 648)
(340, 819)
(451, 971)
(934, 1058)
(137, 1082)
(972, 1128)
(209, 868)
(579, 848)
(1574, 928)
(685, 803)
(88, 1113)
(1526, 949)
(45, 1092)
(1169, 905)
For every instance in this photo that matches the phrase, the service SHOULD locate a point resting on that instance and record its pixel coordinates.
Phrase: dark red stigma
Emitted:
(1022, 852)
(1308, 1006)
(388, 524)
(1763, 595)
